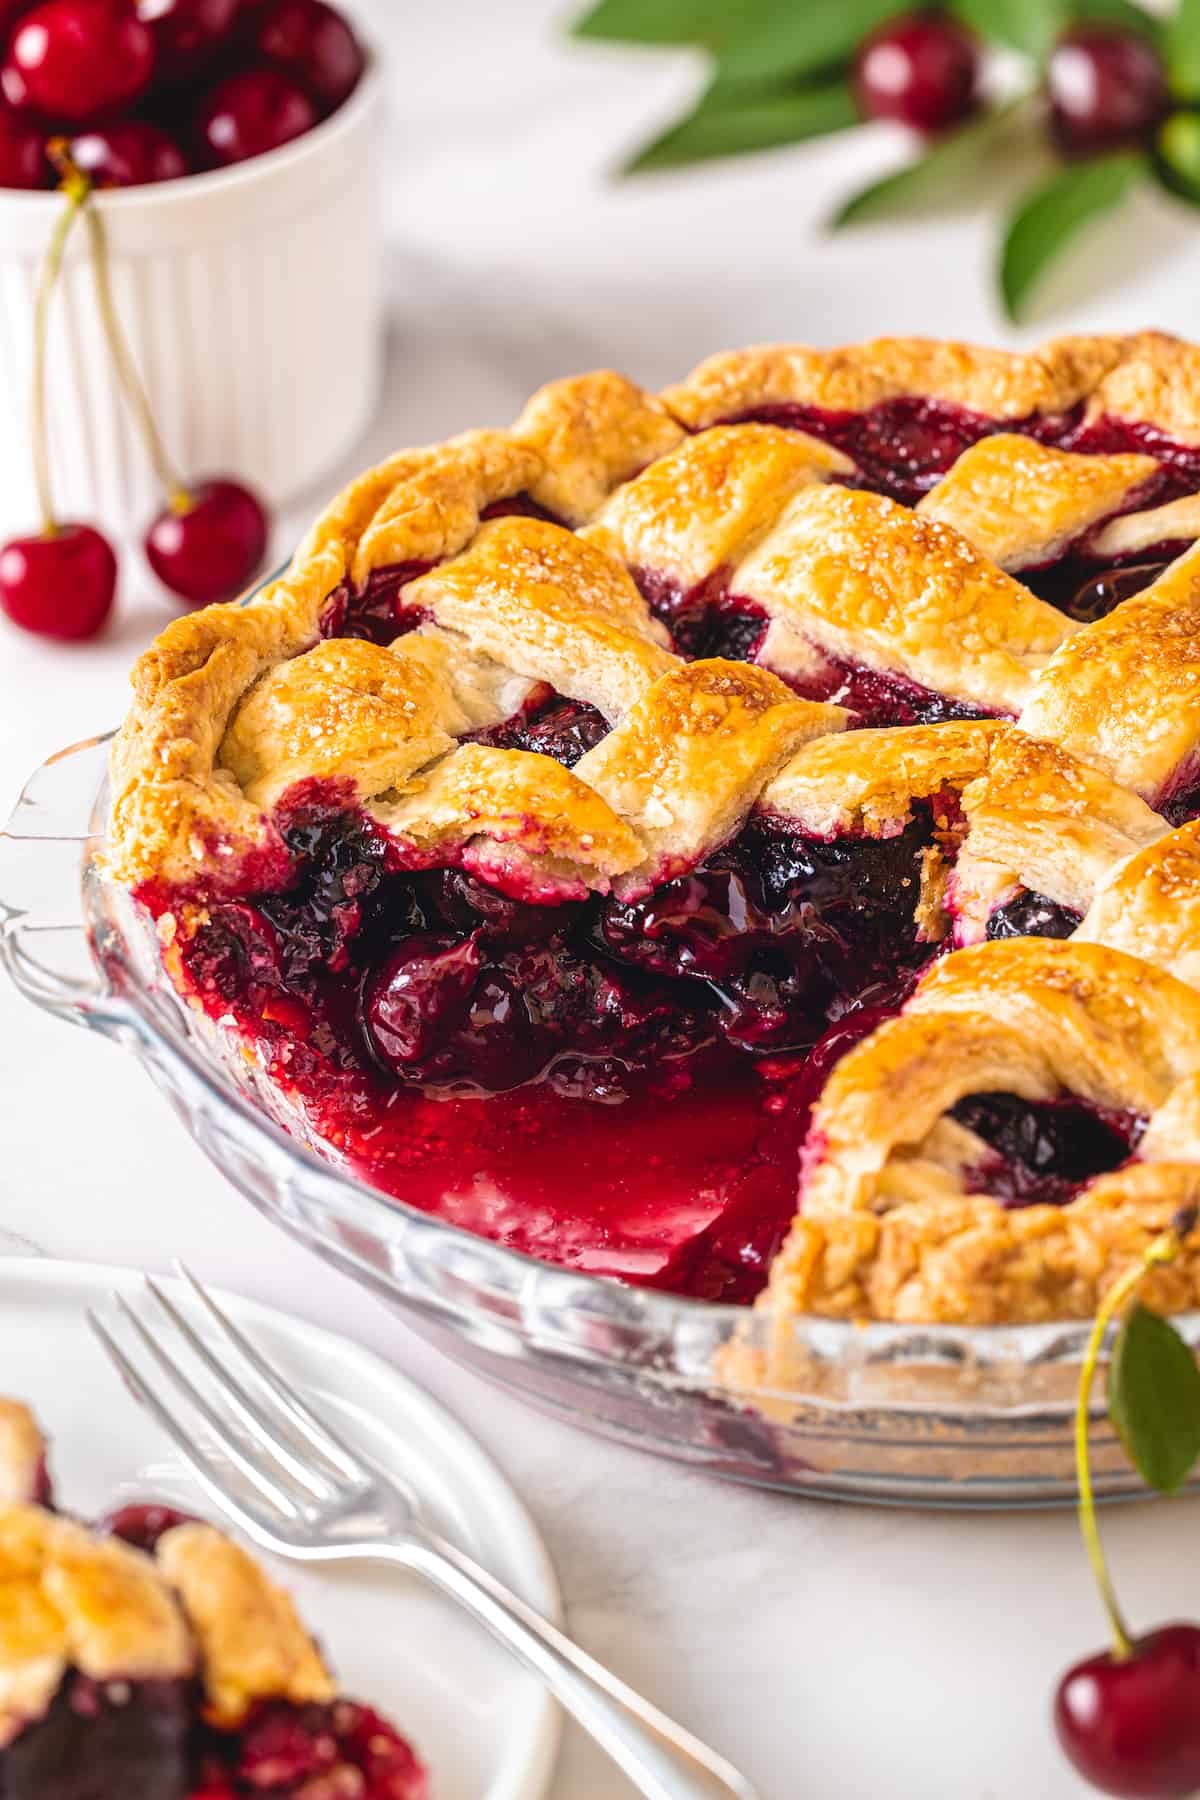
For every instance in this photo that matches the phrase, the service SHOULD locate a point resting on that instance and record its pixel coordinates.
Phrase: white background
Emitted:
(830, 1651)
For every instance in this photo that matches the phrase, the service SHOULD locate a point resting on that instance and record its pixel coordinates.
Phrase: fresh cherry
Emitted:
(188, 35)
(211, 543)
(132, 153)
(22, 155)
(60, 584)
(10, 11)
(1131, 1725)
(77, 60)
(922, 69)
(1129, 1717)
(1107, 87)
(252, 113)
(315, 46)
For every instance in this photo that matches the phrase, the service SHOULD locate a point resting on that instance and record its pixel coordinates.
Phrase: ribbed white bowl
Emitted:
(250, 297)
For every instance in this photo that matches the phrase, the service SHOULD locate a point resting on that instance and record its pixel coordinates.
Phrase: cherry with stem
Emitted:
(59, 582)
(210, 539)
(1129, 1717)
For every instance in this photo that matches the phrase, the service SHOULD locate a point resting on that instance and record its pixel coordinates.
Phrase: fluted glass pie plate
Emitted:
(927, 1415)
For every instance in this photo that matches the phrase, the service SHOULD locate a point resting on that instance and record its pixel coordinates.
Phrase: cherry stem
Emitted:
(178, 497)
(1164, 1249)
(75, 191)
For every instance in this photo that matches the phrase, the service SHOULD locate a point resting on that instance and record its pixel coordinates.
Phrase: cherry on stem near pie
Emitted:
(721, 840)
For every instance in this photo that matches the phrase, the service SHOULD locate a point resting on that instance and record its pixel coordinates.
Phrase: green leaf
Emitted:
(1119, 12)
(705, 22)
(1030, 26)
(1048, 219)
(1154, 1399)
(802, 38)
(931, 175)
(1182, 50)
(726, 122)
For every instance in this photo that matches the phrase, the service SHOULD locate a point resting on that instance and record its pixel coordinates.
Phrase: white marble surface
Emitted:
(830, 1651)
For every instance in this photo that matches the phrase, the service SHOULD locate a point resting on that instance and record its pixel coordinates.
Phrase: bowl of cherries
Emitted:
(189, 307)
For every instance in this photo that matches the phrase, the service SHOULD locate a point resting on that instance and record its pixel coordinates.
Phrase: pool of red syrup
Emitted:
(627, 1190)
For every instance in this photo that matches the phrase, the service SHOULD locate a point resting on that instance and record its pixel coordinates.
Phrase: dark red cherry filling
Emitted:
(147, 1740)
(325, 1752)
(876, 697)
(374, 611)
(551, 726)
(104, 1739)
(1029, 914)
(1181, 804)
(1044, 1151)
(472, 1052)
(141, 1525)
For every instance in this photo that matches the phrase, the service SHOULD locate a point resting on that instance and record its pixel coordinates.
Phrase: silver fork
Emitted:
(288, 1480)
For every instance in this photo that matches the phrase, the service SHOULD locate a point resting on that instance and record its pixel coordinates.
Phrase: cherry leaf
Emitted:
(705, 22)
(929, 178)
(726, 121)
(780, 37)
(1182, 50)
(1119, 12)
(1048, 219)
(1154, 1399)
(1030, 26)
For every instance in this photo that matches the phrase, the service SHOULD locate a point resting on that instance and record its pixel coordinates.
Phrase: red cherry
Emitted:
(188, 35)
(315, 45)
(1131, 1726)
(211, 550)
(77, 60)
(254, 112)
(22, 155)
(59, 586)
(10, 10)
(922, 69)
(1107, 87)
(131, 153)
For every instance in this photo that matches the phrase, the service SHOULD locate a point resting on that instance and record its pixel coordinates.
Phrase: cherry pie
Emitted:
(149, 1658)
(743, 841)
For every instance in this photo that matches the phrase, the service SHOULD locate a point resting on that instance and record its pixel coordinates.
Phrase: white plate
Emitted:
(486, 1730)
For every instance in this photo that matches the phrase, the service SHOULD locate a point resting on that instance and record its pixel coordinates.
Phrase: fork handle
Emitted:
(663, 1761)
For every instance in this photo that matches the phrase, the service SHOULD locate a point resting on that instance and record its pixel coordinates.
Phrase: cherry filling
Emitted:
(1043, 1152)
(147, 1740)
(1086, 595)
(551, 725)
(101, 1739)
(374, 611)
(141, 1525)
(878, 698)
(1182, 804)
(1032, 915)
(706, 621)
(901, 447)
(288, 1752)
(471, 1053)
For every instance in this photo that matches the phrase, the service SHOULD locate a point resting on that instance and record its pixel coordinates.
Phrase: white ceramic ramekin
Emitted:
(250, 297)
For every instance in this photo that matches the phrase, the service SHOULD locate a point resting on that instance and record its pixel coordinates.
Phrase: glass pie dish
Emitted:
(927, 1415)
